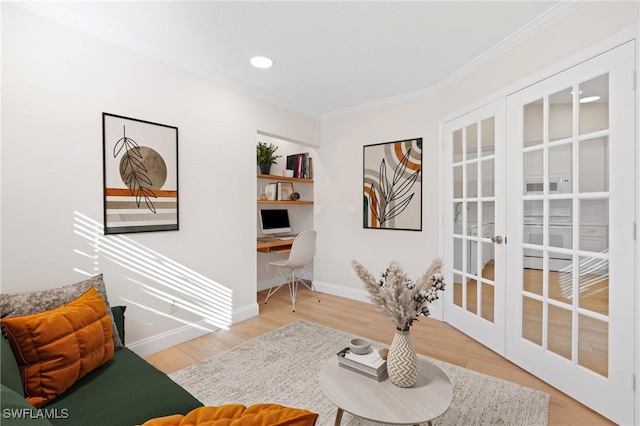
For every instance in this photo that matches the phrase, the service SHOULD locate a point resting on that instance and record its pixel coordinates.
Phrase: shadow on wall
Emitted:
(172, 283)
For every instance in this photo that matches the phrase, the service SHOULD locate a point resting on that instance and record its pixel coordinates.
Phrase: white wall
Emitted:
(341, 237)
(56, 83)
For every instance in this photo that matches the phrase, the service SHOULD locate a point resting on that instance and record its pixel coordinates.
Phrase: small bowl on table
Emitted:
(359, 346)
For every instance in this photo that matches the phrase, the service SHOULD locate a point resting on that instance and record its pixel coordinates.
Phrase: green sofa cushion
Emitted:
(9, 371)
(125, 391)
(16, 411)
(118, 318)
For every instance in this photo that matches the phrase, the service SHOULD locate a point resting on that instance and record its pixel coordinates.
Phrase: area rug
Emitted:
(282, 366)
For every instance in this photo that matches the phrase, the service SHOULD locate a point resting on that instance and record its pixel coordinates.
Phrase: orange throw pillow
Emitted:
(239, 415)
(56, 348)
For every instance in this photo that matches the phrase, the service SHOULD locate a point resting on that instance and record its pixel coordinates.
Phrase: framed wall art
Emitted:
(392, 185)
(140, 163)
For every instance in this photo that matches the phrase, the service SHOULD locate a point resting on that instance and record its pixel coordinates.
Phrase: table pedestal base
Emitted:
(341, 412)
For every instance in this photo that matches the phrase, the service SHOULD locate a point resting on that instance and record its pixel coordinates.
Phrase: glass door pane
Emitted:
(594, 105)
(474, 155)
(550, 203)
(473, 214)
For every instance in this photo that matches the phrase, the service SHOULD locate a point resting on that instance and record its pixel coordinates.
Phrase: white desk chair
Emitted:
(302, 251)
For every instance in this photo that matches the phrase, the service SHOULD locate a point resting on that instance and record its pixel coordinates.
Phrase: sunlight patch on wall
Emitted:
(156, 275)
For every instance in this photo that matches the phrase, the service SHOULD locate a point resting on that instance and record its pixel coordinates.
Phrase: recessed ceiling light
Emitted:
(261, 62)
(589, 99)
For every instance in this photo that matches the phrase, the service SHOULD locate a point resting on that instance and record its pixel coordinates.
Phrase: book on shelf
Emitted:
(271, 190)
(370, 364)
(300, 164)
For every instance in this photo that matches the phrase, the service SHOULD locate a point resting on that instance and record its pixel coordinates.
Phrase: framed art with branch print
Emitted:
(140, 163)
(392, 187)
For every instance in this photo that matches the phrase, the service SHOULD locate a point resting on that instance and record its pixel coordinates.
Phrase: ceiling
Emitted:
(331, 57)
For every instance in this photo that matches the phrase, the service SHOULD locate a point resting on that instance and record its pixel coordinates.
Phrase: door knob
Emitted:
(497, 239)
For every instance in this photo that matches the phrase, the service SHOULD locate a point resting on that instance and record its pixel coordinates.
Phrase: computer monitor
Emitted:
(275, 221)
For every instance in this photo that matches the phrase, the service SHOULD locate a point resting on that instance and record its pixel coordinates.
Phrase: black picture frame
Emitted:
(140, 175)
(392, 185)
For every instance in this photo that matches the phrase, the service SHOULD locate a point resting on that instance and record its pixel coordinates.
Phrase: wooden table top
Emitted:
(268, 245)
(383, 401)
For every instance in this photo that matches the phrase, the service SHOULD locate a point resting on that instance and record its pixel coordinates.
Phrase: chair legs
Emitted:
(292, 282)
(310, 287)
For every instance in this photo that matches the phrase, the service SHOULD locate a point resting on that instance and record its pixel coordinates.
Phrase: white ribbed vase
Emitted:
(402, 361)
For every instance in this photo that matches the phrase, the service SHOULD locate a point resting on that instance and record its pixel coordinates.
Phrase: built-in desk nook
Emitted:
(284, 205)
(274, 245)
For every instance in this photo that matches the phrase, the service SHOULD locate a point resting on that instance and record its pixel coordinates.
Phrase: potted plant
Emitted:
(266, 156)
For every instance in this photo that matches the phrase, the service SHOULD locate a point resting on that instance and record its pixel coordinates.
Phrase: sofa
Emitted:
(126, 390)
(63, 362)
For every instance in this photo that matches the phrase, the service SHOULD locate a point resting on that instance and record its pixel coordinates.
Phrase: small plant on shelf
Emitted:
(266, 156)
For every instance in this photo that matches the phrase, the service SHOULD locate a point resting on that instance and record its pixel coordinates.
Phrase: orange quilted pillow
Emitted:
(276, 415)
(239, 415)
(57, 347)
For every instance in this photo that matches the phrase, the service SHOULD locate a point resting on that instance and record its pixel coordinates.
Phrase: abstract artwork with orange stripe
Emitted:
(392, 185)
(140, 175)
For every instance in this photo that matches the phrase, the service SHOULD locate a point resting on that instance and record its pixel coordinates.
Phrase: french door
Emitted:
(474, 222)
(570, 299)
(550, 284)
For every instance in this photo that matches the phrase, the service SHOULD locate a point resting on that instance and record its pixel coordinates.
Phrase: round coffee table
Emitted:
(383, 401)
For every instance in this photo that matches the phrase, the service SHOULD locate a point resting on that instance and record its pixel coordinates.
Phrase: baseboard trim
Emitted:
(360, 295)
(244, 313)
(188, 332)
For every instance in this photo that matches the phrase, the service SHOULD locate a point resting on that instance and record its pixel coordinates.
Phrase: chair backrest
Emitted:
(302, 250)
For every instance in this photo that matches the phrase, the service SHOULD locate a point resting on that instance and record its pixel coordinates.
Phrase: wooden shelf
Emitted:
(283, 202)
(285, 178)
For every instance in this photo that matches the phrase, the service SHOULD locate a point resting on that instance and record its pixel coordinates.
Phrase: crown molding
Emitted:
(531, 29)
(47, 10)
(380, 103)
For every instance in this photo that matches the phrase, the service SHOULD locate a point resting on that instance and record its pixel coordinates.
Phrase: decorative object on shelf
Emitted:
(271, 189)
(285, 190)
(295, 196)
(403, 301)
(140, 175)
(266, 156)
(392, 185)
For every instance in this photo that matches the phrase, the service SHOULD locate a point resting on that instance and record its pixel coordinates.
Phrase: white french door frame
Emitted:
(465, 318)
(611, 395)
(631, 34)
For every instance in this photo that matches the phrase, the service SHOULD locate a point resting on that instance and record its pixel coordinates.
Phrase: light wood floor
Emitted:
(430, 337)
